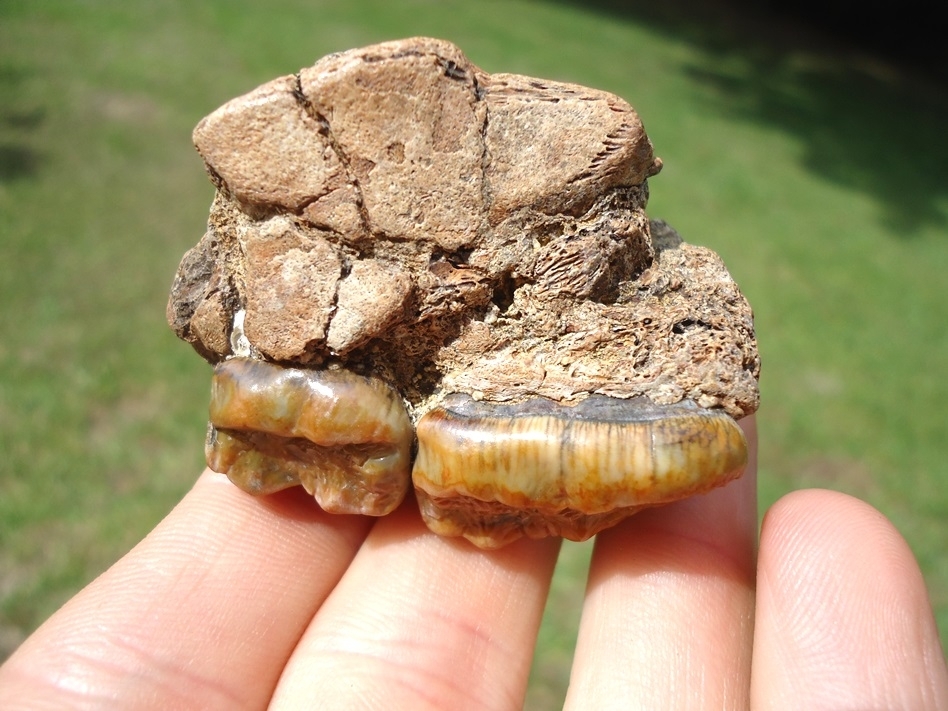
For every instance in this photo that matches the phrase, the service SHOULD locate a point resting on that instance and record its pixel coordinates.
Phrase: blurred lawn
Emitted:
(821, 179)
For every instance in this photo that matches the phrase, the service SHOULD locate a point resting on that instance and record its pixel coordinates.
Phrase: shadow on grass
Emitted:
(864, 124)
(18, 160)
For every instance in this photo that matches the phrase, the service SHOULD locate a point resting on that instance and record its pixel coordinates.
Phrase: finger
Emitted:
(202, 614)
(423, 622)
(843, 617)
(667, 621)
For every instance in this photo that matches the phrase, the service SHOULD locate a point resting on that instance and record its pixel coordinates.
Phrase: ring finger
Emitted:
(668, 617)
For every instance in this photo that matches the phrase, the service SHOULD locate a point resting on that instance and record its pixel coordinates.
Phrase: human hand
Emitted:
(235, 602)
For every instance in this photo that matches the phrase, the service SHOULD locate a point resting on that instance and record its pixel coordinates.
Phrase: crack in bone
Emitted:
(326, 129)
(487, 194)
(555, 234)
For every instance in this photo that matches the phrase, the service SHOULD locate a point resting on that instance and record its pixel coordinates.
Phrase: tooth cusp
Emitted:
(493, 472)
(346, 438)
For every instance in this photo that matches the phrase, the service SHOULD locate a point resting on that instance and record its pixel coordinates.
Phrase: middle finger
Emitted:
(423, 622)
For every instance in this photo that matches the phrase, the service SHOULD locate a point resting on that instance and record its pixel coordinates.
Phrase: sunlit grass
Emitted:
(824, 187)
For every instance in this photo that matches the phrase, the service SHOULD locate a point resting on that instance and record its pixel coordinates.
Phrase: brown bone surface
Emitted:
(397, 212)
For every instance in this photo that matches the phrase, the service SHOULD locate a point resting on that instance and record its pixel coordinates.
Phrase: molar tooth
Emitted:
(494, 472)
(346, 438)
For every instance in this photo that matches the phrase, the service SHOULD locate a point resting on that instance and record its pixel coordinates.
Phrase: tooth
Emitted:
(494, 472)
(346, 438)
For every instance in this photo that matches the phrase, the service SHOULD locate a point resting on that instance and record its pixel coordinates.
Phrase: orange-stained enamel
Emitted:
(327, 407)
(347, 439)
(585, 465)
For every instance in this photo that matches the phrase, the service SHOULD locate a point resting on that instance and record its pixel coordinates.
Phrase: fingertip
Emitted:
(811, 533)
(842, 611)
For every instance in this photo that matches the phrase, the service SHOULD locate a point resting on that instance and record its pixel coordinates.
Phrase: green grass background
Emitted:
(819, 175)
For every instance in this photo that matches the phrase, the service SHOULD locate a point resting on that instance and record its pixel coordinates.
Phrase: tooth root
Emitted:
(495, 472)
(345, 438)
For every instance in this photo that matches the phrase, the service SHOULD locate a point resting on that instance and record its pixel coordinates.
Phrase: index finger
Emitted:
(203, 613)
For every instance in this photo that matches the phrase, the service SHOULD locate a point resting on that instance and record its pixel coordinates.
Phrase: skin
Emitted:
(234, 602)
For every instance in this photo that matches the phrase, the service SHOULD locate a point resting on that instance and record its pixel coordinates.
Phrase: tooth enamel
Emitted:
(347, 439)
(495, 472)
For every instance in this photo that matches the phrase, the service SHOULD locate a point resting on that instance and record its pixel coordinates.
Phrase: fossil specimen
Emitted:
(401, 241)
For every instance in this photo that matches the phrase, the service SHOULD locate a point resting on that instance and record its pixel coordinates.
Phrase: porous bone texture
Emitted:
(399, 212)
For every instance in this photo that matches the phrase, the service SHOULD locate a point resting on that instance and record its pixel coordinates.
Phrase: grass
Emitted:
(820, 177)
